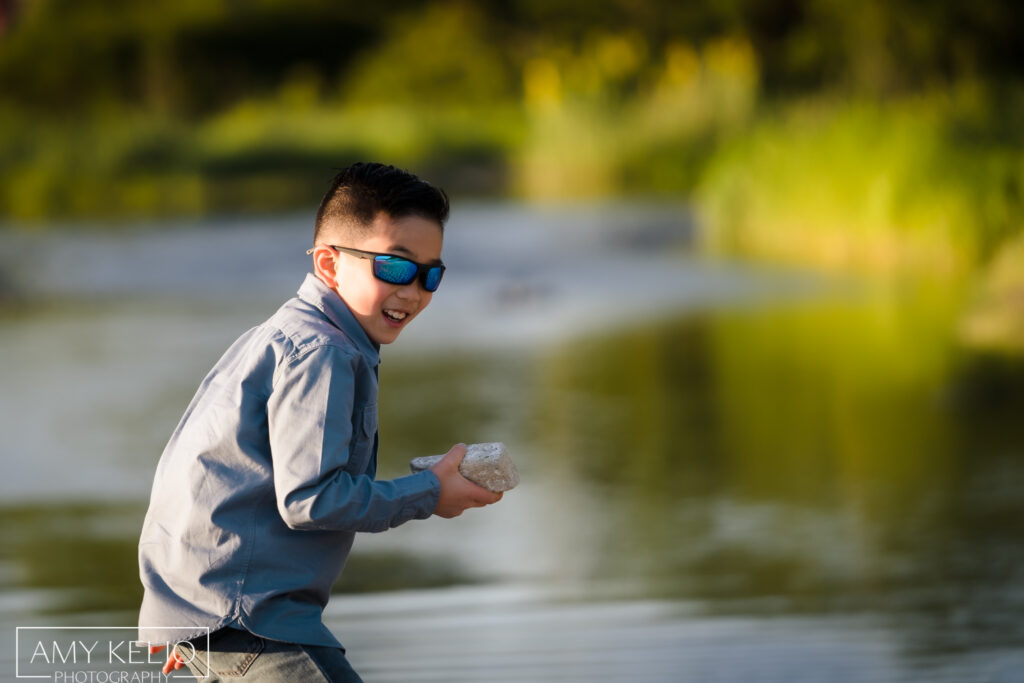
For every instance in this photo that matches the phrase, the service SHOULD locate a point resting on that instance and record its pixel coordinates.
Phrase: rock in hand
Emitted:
(485, 464)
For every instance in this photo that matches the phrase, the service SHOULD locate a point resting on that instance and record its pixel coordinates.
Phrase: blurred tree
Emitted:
(588, 98)
(194, 57)
(443, 54)
(189, 56)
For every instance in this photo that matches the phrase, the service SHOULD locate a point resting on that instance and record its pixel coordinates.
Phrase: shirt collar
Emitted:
(316, 293)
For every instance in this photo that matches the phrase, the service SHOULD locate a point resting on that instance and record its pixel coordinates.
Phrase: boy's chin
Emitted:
(379, 330)
(386, 336)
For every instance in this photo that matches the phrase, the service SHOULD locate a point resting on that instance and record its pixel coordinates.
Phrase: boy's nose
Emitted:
(409, 292)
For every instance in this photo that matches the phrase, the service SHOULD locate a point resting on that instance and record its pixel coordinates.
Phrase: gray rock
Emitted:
(486, 464)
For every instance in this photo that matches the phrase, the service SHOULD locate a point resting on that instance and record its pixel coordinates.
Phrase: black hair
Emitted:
(363, 190)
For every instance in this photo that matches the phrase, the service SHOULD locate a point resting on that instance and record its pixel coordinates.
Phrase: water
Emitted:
(729, 473)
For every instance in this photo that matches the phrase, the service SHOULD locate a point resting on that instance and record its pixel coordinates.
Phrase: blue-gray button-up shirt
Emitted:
(269, 474)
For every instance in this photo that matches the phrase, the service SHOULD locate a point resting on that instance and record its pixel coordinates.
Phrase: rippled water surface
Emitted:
(729, 473)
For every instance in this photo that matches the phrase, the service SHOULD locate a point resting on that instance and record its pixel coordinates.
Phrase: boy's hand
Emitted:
(457, 492)
(172, 663)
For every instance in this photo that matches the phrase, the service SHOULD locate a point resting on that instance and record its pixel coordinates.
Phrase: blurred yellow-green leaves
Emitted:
(879, 138)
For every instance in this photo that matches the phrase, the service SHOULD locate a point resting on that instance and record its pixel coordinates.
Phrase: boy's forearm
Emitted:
(346, 503)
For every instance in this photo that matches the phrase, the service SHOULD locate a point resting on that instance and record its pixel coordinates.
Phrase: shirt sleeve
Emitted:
(309, 416)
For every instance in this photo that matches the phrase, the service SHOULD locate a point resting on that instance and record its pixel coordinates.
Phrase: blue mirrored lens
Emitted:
(401, 271)
(393, 269)
(432, 278)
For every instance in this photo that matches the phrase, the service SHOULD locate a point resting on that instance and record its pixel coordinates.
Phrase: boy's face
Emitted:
(383, 309)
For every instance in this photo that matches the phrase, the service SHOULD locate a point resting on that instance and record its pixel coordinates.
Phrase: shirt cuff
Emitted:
(421, 492)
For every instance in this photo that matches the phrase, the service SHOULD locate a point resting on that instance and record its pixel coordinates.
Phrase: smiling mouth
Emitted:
(395, 316)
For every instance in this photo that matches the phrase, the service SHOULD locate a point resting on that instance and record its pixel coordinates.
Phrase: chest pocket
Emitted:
(362, 447)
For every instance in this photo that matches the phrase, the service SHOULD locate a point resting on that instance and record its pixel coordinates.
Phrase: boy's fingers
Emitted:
(172, 663)
(486, 497)
(464, 493)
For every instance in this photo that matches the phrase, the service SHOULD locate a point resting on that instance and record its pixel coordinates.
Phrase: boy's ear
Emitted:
(325, 265)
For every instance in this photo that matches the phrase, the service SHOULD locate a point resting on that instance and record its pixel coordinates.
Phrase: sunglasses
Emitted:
(397, 270)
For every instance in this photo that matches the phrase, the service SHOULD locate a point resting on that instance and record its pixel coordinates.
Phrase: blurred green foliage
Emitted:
(114, 108)
(934, 181)
(878, 137)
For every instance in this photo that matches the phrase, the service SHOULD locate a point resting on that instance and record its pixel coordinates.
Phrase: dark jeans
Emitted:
(240, 654)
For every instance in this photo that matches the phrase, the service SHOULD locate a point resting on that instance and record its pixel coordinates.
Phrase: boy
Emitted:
(270, 472)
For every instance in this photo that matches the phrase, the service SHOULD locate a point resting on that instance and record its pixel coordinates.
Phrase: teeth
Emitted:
(395, 315)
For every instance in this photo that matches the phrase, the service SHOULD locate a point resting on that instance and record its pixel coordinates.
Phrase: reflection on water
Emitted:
(814, 458)
(794, 488)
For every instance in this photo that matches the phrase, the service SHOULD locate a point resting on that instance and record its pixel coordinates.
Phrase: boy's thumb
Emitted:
(456, 454)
